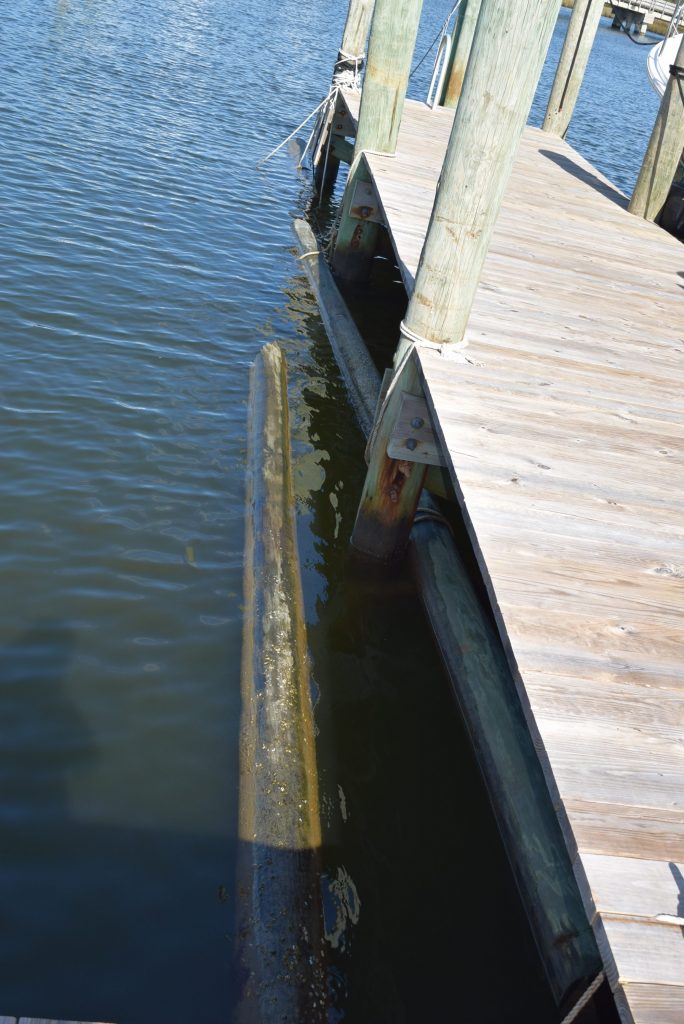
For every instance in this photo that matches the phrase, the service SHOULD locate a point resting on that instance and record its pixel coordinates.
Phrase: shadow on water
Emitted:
(70, 889)
(41, 732)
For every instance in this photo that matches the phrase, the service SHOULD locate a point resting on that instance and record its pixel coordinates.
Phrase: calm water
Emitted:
(143, 262)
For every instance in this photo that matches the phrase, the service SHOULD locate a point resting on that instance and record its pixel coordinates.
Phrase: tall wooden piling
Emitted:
(664, 148)
(355, 36)
(351, 58)
(505, 62)
(279, 825)
(506, 59)
(460, 54)
(390, 51)
(579, 39)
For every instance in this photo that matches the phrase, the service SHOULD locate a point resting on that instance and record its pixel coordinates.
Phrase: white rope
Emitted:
(298, 128)
(349, 74)
(313, 252)
(442, 32)
(419, 341)
(588, 995)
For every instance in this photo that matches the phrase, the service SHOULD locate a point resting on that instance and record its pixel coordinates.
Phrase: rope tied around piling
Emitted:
(449, 349)
(349, 74)
(585, 999)
(677, 72)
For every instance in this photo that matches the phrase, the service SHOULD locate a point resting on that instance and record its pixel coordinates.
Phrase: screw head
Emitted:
(412, 444)
(417, 422)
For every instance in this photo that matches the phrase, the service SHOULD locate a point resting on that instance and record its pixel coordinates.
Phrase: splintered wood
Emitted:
(564, 437)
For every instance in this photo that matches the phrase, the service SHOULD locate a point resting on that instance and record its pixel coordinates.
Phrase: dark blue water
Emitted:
(143, 262)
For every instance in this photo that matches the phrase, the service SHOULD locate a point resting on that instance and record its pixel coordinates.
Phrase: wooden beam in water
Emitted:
(579, 39)
(664, 149)
(279, 914)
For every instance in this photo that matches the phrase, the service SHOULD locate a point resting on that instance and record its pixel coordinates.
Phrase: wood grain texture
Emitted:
(579, 39)
(664, 149)
(565, 444)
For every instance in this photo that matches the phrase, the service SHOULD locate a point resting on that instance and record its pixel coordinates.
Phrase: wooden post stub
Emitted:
(392, 486)
(579, 39)
(664, 149)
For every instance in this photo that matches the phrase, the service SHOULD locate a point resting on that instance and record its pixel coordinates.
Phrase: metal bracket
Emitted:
(365, 205)
(342, 125)
(412, 438)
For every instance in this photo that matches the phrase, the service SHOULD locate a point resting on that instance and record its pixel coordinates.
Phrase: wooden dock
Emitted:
(562, 429)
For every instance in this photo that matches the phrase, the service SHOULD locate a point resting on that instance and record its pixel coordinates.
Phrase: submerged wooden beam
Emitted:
(579, 39)
(664, 149)
(279, 916)
(484, 688)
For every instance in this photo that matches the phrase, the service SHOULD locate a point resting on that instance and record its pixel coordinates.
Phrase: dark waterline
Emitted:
(144, 260)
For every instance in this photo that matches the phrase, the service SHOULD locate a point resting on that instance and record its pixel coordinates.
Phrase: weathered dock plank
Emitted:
(564, 439)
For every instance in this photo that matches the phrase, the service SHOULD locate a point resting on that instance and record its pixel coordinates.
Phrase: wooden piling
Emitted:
(351, 58)
(390, 51)
(353, 49)
(579, 39)
(279, 827)
(664, 148)
(460, 53)
(506, 59)
(505, 62)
